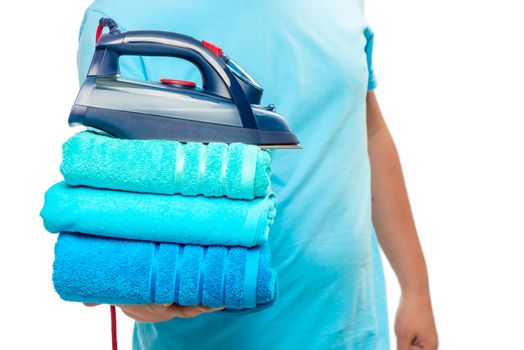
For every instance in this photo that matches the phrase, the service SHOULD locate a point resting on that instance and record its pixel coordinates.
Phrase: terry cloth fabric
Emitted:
(157, 217)
(158, 166)
(113, 271)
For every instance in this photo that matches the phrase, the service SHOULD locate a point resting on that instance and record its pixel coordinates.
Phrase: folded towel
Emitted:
(113, 271)
(158, 217)
(157, 166)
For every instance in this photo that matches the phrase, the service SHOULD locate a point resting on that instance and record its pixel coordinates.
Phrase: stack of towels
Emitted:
(154, 221)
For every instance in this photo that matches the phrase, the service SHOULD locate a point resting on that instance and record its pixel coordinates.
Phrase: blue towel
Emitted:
(158, 166)
(112, 271)
(158, 217)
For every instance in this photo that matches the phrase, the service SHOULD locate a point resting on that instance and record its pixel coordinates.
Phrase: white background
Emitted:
(450, 79)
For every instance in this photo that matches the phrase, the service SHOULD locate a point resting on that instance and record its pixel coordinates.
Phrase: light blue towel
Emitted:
(158, 217)
(112, 271)
(158, 166)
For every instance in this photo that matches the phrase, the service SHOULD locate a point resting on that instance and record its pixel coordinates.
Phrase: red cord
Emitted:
(113, 328)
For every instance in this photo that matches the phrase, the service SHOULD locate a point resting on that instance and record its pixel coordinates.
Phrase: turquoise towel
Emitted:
(158, 166)
(158, 217)
(112, 271)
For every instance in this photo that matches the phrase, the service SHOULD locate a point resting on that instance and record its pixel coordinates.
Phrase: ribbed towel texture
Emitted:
(153, 221)
(157, 166)
(157, 217)
(108, 270)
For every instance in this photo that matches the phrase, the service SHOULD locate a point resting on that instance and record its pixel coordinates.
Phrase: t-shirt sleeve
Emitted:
(368, 33)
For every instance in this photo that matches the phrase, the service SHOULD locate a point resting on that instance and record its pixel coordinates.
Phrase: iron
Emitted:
(225, 109)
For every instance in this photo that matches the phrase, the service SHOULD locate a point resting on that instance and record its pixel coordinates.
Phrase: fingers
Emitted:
(161, 313)
(148, 313)
(90, 304)
(410, 341)
(211, 309)
(190, 311)
(405, 341)
(429, 342)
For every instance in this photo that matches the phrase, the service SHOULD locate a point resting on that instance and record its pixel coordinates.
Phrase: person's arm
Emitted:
(397, 235)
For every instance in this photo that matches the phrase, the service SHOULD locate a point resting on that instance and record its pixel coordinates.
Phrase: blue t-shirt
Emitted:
(313, 58)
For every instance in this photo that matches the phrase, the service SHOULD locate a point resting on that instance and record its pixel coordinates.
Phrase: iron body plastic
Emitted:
(226, 108)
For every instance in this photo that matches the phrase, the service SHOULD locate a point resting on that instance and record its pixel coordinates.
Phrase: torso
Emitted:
(309, 57)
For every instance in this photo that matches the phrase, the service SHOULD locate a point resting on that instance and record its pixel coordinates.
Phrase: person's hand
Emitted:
(160, 313)
(415, 325)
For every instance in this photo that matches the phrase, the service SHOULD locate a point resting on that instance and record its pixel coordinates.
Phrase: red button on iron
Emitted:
(215, 49)
(185, 83)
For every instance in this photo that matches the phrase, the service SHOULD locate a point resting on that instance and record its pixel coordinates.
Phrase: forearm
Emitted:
(392, 216)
